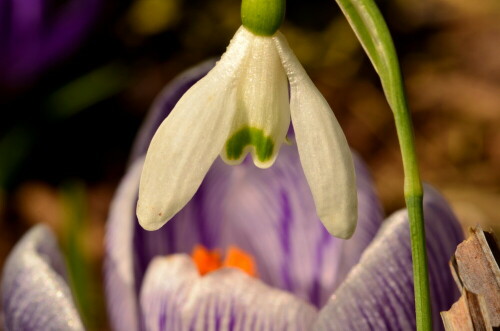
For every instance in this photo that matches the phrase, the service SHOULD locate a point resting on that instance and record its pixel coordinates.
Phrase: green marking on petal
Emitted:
(263, 144)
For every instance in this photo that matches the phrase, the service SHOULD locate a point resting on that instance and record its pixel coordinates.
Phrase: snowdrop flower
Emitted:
(305, 279)
(244, 105)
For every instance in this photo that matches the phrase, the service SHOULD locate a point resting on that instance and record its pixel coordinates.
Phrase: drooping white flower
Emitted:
(243, 106)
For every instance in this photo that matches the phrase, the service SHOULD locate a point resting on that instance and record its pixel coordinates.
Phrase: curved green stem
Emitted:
(370, 28)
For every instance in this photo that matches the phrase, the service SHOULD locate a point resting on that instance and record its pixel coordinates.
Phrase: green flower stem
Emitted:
(262, 17)
(370, 28)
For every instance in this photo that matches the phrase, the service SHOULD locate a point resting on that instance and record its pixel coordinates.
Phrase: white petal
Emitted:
(175, 297)
(323, 150)
(165, 102)
(263, 116)
(189, 140)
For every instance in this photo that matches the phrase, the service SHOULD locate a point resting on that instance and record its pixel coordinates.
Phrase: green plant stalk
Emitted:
(262, 17)
(371, 30)
(84, 286)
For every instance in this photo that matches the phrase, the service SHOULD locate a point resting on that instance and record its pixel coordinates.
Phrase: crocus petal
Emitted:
(370, 217)
(121, 286)
(378, 292)
(263, 116)
(270, 214)
(175, 297)
(237, 204)
(323, 149)
(130, 248)
(189, 140)
(35, 295)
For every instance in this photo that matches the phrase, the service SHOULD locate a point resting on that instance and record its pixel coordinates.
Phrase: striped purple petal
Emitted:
(175, 297)
(35, 294)
(130, 249)
(237, 206)
(378, 292)
(370, 217)
(270, 213)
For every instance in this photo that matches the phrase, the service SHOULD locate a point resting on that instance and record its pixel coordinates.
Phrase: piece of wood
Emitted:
(469, 313)
(475, 268)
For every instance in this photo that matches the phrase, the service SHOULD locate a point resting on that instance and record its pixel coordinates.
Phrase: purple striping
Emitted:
(163, 316)
(203, 225)
(315, 293)
(284, 231)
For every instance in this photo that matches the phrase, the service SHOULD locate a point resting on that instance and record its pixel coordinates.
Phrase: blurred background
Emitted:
(77, 78)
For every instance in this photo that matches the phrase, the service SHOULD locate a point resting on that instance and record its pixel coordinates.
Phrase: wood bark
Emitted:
(475, 268)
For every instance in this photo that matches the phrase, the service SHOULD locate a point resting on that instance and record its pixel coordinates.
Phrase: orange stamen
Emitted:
(206, 260)
(237, 258)
(210, 260)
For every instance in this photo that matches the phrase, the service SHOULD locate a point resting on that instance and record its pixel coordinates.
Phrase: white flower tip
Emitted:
(150, 217)
(341, 226)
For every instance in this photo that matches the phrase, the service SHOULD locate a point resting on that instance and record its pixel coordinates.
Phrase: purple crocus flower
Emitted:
(307, 279)
(36, 33)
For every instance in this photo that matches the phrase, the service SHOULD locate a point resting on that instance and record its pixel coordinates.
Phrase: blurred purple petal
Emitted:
(36, 35)
(35, 295)
(26, 18)
(69, 27)
(378, 292)
(175, 297)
